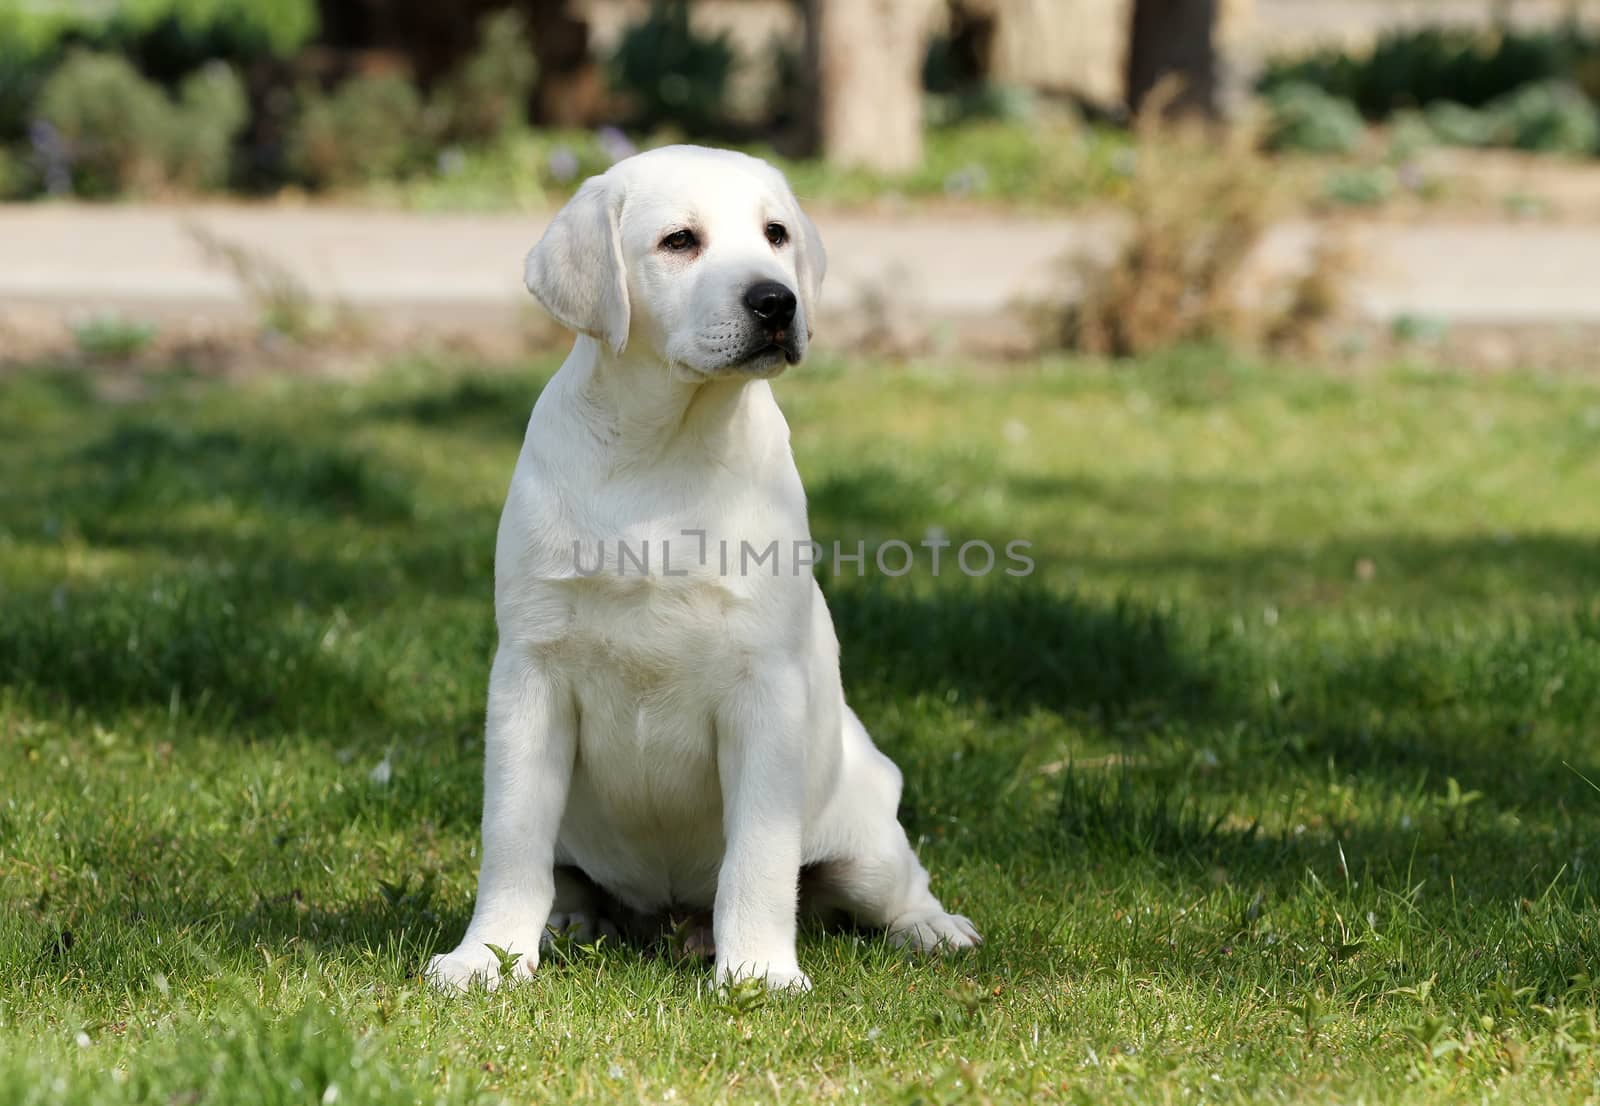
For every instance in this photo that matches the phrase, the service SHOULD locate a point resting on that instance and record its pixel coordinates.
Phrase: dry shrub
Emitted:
(1297, 320)
(286, 307)
(1200, 203)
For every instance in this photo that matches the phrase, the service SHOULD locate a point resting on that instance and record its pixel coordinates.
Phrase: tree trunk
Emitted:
(869, 56)
(1076, 48)
(570, 88)
(1175, 39)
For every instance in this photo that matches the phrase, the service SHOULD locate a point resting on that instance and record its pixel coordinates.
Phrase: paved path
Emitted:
(959, 270)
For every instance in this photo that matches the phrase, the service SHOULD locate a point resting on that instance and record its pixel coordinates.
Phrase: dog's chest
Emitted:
(623, 593)
(646, 660)
(647, 635)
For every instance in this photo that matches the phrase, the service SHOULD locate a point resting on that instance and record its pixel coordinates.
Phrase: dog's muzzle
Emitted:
(772, 306)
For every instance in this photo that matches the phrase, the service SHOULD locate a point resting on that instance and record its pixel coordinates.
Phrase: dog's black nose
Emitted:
(771, 303)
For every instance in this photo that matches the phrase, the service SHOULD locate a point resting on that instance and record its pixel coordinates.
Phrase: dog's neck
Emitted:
(640, 411)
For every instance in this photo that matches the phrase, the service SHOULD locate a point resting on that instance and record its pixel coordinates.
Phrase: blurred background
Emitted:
(101, 97)
(977, 160)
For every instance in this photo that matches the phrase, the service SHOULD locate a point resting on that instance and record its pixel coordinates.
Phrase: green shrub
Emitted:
(122, 133)
(1456, 125)
(165, 40)
(1359, 186)
(1409, 134)
(672, 75)
(367, 129)
(487, 98)
(115, 124)
(1418, 67)
(15, 180)
(169, 39)
(982, 103)
(112, 337)
(1551, 117)
(283, 25)
(212, 109)
(1302, 117)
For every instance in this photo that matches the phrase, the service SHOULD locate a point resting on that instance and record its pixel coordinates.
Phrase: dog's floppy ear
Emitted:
(810, 263)
(577, 271)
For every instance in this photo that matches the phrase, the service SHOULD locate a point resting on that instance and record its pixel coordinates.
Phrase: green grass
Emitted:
(1268, 785)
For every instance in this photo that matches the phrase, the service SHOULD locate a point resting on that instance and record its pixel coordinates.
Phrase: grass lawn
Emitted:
(1268, 785)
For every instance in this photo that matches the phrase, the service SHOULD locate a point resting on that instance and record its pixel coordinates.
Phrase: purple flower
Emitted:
(966, 181)
(615, 144)
(54, 159)
(562, 163)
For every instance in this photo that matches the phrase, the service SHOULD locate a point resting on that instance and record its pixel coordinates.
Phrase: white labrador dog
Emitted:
(666, 728)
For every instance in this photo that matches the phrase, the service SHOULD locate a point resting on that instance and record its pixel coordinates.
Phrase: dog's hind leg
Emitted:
(867, 868)
(582, 911)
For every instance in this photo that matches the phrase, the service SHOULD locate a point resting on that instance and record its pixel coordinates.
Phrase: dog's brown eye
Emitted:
(680, 240)
(777, 233)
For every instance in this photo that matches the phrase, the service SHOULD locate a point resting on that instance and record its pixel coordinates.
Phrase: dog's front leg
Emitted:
(761, 766)
(528, 751)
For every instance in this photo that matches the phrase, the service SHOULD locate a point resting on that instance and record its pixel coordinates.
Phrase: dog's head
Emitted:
(702, 255)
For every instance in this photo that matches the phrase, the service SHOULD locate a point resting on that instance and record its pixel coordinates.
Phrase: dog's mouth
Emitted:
(768, 350)
(768, 356)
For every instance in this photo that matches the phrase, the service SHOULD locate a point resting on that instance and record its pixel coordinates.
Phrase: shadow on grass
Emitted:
(229, 574)
(1503, 707)
(1423, 569)
(1409, 569)
(190, 646)
(154, 464)
(1012, 647)
(499, 404)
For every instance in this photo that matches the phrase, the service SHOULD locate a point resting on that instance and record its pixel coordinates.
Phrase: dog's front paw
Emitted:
(934, 931)
(474, 960)
(777, 977)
